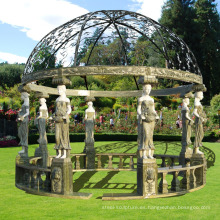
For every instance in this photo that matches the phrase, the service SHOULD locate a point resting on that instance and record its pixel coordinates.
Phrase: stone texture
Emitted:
(113, 70)
(62, 176)
(147, 177)
(200, 173)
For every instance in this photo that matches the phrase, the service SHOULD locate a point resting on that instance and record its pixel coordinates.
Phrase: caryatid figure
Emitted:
(186, 124)
(146, 117)
(89, 123)
(23, 118)
(40, 122)
(61, 118)
(200, 118)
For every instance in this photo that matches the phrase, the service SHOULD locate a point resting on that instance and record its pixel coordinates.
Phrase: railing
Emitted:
(118, 161)
(188, 181)
(105, 161)
(33, 178)
(174, 180)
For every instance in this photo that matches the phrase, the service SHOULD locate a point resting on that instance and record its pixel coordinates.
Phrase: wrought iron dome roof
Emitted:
(63, 44)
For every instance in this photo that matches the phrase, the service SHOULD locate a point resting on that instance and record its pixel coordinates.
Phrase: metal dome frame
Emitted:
(70, 35)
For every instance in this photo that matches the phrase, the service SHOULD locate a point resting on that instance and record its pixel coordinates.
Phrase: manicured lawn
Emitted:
(16, 204)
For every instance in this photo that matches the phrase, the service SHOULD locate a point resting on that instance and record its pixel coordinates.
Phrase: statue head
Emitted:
(199, 95)
(61, 89)
(90, 104)
(24, 95)
(42, 101)
(186, 101)
(146, 89)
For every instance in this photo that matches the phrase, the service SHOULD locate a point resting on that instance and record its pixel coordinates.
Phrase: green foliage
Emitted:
(198, 24)
(11, 97)
(106, 110)
(10, 74)
(104, 102)
(116, 106)
(215, 102)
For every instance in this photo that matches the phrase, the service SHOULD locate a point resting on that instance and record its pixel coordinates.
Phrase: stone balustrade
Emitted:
(174, 179)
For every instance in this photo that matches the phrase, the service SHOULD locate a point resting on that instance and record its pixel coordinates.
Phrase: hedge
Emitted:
(74, 137)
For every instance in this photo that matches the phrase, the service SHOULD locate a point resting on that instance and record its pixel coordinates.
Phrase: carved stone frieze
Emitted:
(113, 70)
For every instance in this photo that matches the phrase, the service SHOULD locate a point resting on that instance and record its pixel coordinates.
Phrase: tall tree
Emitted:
(197, 23)
(208, 21)
(179, 16)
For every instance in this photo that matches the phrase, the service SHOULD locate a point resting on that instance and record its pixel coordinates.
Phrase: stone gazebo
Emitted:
(53, 175)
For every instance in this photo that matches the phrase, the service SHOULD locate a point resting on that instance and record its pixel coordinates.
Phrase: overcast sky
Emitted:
(24, 22)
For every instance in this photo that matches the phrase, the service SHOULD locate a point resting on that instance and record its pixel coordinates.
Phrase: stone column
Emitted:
(89, 134)
(186, 151)
(61, 167)
(146, 164)
(40, 122)
(23, 131)
(200, 118)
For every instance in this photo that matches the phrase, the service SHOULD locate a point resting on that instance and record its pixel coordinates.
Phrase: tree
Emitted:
(208, 21)
(197, 23)
(10, 74)
(178, 16)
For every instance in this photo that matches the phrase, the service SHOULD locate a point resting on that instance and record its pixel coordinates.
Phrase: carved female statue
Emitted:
(41, 122)
(89, 123)
(147, 117)
(61, 118)
(200, 118)
(23, 118)
(186, 124)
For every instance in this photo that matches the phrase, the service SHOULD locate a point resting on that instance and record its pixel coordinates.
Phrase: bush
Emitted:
(111, 137)
(117, 106)
(215, 102)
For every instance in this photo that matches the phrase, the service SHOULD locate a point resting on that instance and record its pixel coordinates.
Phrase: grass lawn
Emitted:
(16, 204)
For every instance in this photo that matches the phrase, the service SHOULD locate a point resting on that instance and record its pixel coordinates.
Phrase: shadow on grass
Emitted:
(209, 155)
(83, 182)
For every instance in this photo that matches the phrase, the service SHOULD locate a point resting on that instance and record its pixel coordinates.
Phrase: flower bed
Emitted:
(8, 141)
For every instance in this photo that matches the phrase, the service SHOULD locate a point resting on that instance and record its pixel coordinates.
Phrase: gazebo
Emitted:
(58, 56)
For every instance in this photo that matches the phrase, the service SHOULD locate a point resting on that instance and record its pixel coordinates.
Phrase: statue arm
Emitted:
(196, 113)
(68, 108)
(86, 116)
(21, 117)
(187, 116)
(40, 116)
(139, 107)
(94, 116)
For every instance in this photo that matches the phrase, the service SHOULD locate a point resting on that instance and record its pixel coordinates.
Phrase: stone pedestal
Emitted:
(20, 172)
(147, 177)
(90, 155)
(42, 152)
(185, 154)
(200, 173)
(62, 176)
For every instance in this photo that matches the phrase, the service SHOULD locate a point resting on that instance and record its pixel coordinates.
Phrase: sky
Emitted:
(23, 23)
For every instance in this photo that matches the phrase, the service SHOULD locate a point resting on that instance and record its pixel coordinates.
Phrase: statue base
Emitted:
(90, 155)
(200, 173)
(185, 154)
(24, 152)
(43, 153)
(61, 176)
(147, 177)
